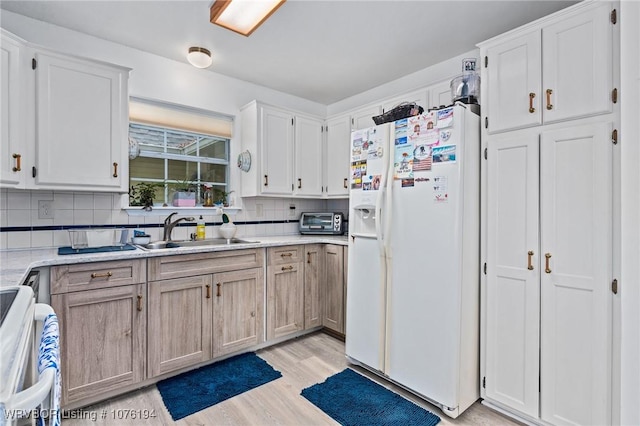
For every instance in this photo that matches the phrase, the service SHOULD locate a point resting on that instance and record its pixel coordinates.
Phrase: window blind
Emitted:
(143, 111)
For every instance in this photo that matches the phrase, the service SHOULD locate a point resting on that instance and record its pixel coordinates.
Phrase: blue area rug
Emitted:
(353, 400)
(196, 390)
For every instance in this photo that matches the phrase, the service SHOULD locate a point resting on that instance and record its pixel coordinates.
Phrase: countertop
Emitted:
(16, 264)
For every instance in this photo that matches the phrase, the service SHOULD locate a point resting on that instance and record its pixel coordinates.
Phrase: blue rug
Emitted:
(353, 400)
(196, 390)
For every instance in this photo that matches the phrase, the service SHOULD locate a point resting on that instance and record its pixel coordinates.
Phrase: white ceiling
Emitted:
(322, 51)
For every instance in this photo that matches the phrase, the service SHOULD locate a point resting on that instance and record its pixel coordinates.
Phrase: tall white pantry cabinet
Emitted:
(550, 119)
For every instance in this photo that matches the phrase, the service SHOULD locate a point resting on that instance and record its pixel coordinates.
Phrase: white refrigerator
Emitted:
(414, 231)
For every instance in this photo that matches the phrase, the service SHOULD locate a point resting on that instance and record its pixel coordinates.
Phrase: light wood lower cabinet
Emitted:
(334, 288)
(285, 291)
(103, 339)
(313, 285)
(238, 310)
(180, 322)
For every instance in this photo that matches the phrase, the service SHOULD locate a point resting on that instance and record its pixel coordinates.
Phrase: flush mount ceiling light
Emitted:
(242, 16)
(199, 57)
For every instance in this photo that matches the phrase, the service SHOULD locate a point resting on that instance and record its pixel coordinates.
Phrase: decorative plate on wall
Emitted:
(244, 161)
(134, 149)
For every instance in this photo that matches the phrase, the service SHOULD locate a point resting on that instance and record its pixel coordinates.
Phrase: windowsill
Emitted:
(163, 211)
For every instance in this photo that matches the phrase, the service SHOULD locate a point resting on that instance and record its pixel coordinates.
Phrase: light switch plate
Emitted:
(45, 209)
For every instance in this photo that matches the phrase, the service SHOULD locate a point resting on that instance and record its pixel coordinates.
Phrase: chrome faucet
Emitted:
(168, 225)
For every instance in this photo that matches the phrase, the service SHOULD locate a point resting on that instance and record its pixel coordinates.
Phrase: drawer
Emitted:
(166, 267)
(87, 276)
(284, 255)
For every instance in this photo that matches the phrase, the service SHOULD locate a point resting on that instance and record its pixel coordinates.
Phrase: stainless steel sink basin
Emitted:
(158, 245)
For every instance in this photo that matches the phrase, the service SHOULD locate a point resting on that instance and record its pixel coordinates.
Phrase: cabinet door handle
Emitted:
(208, 291)
(139, 303)
(549, 93)
(115, 169)
(531, 108)
(219, 291)
(308, 257)
(253, 314)
(299, 183)
(266, 180)
(101, 275)
(287, 268)
(529, 259)
(17, 167)
(547, 256)
(345, 183)
(286, 254)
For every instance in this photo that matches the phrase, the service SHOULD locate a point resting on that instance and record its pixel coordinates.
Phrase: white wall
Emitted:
(630, 191)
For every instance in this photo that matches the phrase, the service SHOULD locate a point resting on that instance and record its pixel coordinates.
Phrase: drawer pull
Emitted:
(308, 257)
(139, 303)
(219, 292)
(549, 104)
(17, 167)
(287, 268)
(104, 275)
(266, 180)
(208, 291)
(115, 170)
(529, 258)
(286, 254)
(345, 183)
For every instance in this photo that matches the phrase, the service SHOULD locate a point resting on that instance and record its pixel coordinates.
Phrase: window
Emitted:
(178, 150)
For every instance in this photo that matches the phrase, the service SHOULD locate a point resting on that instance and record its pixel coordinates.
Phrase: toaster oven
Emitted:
(322, 223)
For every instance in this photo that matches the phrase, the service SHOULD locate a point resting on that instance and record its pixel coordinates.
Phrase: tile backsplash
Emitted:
(40, 219)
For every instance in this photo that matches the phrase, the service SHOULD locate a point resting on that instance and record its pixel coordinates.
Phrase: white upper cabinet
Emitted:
(12, 128)
(551, 70)
(64, 121)
(419, 97)
(276, 150)
(286, 150)
(81, 124)
(361, 119)
(308, 154)
(337, 154)
(439, 95)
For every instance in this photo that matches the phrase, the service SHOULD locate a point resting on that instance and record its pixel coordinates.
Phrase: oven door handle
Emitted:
(33, 396)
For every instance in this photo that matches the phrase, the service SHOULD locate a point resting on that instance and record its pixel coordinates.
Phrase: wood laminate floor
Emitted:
(303, 362)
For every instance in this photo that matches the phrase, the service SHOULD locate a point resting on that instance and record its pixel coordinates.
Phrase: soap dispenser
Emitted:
(200, 229)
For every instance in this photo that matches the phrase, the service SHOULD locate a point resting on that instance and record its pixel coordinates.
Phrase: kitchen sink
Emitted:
(158, 245)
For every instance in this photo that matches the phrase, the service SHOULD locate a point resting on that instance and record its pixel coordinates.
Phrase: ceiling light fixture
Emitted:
(242, 16)
(199, 57)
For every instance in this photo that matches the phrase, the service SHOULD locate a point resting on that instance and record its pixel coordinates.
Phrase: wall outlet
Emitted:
(45, 209)
(292, 210)
(259, 210)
